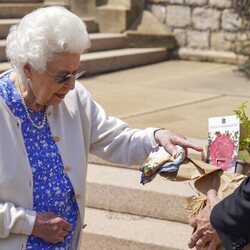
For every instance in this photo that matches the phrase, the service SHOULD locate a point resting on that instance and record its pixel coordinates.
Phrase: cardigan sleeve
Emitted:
(109, 137)
(15, 220)
(115, 141)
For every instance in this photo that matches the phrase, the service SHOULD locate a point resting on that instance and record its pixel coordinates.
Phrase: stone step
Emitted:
(99, 41)
(209, 56)
(5, 25)
(2, 50)
(4, 66)
(107, 41)
(113, 18)
(91, 24)
(21, 1)
(108, 230)
(107, 61)
(119, 189)
(17, 10)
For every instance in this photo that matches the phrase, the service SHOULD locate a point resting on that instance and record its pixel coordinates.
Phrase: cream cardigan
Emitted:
(82, 126)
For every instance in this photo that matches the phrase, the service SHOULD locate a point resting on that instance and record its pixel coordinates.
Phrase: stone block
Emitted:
(166, 197)
(243, 43)
(107, 41)
(107, 61)
(127, 3)
(101, 2)
(117, 15)
(205, 19)
(198, 39)
(242, 36)
(158, 1)
(140, 40)
(2, 51)
(196, 2)
(147, 23)
(83, 7)
(223, 41)
(158, 11)
(114, 19)
(176, 1)
(47, 2)
(178, 16)
(16, 10)
(108, 230)
(231, 21)
(180, 36)
(5, 25)
(221, 3)
(210, 56)
(230, 36)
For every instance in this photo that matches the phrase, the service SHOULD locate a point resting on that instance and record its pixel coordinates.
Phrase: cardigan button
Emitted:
(67, 168)
(56, 138)
(77, 196)
(49, 113)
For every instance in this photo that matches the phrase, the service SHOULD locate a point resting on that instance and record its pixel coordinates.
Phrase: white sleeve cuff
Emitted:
(29, 222)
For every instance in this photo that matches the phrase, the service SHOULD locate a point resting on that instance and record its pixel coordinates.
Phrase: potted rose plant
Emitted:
(243, 162)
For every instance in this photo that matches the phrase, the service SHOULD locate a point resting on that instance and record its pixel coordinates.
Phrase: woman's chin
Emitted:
(54, 102)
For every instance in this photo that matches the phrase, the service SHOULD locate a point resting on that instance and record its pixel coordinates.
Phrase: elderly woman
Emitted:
(49, 124)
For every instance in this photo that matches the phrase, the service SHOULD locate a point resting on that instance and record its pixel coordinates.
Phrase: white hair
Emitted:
(41, 34)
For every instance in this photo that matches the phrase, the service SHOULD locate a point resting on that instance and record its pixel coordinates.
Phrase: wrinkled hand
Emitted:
(168, 140)
(51, 228)
(204, 234)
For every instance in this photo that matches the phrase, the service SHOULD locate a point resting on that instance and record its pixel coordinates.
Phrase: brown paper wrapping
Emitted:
(205, 177)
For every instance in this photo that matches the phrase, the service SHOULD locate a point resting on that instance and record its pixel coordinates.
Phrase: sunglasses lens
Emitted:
(79, 74)
(63, 78)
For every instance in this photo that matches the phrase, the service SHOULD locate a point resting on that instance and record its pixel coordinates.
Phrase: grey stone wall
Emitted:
(202, 24)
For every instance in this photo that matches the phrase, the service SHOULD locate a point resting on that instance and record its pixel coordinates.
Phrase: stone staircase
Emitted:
(109, 52)
(123, 214)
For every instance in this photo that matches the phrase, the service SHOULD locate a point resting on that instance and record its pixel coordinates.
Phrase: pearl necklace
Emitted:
(42, 124)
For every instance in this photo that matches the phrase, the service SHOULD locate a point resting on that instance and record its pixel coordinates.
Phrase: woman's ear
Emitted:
(27, 71)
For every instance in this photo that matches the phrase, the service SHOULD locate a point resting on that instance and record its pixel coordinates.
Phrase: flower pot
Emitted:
(242, 167)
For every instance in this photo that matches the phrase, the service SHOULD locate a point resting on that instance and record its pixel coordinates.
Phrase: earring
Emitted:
(28, 83)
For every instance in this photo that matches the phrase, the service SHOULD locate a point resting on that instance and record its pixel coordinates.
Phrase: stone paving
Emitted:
(178, 95)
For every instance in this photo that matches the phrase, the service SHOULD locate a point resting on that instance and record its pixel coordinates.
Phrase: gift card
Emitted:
(223, 141)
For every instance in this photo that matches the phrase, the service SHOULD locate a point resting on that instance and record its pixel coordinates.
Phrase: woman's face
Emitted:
(44, 87)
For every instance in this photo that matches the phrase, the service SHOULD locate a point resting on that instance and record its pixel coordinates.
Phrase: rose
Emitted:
(221, 151)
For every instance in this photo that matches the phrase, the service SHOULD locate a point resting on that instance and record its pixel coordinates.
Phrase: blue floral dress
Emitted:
(52, 190)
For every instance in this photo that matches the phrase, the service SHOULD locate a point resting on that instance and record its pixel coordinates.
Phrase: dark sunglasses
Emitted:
(64, 77)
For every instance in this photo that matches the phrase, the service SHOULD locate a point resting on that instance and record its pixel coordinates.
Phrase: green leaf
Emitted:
(244, 155)
(245, 127)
